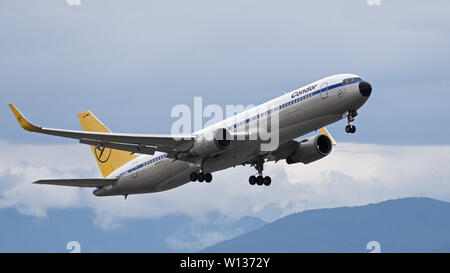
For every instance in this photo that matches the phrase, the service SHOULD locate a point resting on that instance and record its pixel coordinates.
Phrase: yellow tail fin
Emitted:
(108, 160)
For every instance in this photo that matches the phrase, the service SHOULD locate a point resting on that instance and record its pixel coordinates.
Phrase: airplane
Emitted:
(147, 163)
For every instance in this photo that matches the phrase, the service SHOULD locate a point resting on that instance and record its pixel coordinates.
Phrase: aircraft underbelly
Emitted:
(232, 157)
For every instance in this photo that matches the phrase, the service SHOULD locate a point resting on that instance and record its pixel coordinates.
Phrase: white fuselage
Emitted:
(300, 111)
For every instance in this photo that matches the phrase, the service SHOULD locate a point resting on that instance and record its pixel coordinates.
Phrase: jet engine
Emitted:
(311, 149)
(219, 141)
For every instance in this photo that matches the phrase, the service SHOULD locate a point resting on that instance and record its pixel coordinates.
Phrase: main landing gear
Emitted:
(350, 128)
(259, 179)
(200, 177)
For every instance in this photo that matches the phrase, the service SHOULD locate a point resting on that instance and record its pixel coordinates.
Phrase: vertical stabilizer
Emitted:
(108, 160)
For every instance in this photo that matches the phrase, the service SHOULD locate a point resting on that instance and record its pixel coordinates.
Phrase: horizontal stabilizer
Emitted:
(88, 183)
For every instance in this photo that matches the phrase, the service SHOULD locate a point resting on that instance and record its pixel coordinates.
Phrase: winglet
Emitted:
(324, 131)
(24, 123)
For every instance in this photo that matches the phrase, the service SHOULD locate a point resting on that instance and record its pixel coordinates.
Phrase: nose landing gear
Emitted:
(350, 128)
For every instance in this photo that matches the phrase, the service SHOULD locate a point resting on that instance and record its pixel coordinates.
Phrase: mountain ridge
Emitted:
(412, 224)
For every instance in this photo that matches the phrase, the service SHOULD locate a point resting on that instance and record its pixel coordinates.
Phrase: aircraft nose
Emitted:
(365, 89)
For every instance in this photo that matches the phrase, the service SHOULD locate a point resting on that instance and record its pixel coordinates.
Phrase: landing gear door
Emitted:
(324, 90)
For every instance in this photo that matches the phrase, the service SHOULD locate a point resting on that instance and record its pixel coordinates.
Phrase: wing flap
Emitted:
(84, 183)
(152, 140)
(132, 148)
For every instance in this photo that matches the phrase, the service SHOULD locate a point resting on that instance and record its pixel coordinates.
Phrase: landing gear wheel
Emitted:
(201, 177)
(193, 176)
(208, 177)
(252, 180)
(259, 180)
(267, 180)
(350, 129)
(350, 118)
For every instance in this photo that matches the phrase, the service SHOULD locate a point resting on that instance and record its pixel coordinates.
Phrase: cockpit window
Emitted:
(350, 80)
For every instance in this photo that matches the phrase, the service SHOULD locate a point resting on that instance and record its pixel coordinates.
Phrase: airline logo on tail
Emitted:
(102, 154)
(108, 159)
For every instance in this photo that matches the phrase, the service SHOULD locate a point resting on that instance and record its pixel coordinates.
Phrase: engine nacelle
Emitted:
(219, 141)
(311, 149)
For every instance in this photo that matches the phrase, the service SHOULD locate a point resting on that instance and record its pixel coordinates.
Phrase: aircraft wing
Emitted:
(134, 143)
(88, 183)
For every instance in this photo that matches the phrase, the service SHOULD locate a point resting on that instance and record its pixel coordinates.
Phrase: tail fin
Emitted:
(108, 160)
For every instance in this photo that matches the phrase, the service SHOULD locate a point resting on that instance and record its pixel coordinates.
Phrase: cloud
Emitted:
(353, 174)
(20, 165)
(75, 57)
(200, 241)
(73, 2)
(208, 231)
(374, 2)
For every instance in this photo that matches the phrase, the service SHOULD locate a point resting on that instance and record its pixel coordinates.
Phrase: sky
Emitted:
(131, 62)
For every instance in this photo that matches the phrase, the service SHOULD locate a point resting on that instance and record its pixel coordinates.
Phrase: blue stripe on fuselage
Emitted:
(247, 120)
